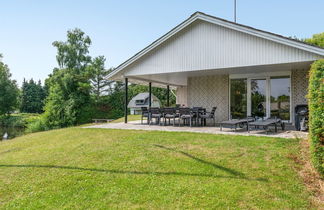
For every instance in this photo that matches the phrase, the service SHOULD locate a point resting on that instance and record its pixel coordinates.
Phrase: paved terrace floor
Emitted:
(136, 125)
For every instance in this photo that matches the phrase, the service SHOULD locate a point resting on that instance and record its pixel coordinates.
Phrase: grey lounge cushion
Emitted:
(169, 115)
(156, 115)
(205, 115)
(186, 116)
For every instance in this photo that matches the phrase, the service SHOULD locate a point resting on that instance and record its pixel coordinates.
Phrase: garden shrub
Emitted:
(21, 120)
(316, 114)
(37, 125)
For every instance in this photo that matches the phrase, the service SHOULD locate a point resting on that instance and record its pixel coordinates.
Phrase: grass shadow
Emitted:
(128, 172)
(227, 170)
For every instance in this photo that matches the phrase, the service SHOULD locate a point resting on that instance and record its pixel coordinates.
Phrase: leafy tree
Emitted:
(317, 39)
(32, 97)
(9, 91)
(73, 54)
(116, 100)
(99, 82)
(69, 101)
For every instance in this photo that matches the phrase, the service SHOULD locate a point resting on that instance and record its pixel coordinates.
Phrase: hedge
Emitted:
(316, 114)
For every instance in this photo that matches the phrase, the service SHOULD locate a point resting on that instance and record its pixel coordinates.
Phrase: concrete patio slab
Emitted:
(136, 125)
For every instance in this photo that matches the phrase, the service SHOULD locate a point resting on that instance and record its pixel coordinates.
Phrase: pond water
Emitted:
(11, 132)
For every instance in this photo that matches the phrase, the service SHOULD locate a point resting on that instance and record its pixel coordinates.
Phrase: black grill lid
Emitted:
(301, 109)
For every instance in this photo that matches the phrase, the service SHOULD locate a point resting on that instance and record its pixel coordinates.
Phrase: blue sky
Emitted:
(119, 29)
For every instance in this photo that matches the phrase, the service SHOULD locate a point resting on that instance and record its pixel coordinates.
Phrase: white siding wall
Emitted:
(182, 94)
(203, 45)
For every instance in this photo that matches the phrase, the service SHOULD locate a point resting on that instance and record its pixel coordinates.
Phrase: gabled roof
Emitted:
(225, 23)
(142, 96)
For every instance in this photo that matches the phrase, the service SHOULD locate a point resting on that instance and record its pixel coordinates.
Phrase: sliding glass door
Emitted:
(238, 98)
(266, 96)
(280, 97)
(258, 97)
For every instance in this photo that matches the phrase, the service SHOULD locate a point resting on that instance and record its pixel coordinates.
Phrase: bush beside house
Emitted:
(316, 113)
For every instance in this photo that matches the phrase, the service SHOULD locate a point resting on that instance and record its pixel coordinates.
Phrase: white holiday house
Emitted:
(210, 61)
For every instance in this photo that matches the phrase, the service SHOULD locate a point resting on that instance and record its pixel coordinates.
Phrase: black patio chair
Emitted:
(186, 114)
(155, 113)
(197, 110)
(170, 113)
(209, 115)
(145, 114)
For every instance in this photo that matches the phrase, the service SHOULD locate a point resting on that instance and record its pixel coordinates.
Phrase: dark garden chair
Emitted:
(168, 114)
(209, 115)
(186, 115)
(155, 113)
(197, 110)
(145, 114)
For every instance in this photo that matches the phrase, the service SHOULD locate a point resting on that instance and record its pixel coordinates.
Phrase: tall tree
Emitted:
(116, 99)
(32, 97)
(8, 90)
(73, 54)
(69, 102)
(99, 82)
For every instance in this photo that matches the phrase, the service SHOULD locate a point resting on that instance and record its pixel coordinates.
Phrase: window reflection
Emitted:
(238, 98)
(258, 97)
(280, 97)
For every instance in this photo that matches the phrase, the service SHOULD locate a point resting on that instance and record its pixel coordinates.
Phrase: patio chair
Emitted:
(209, 115)
(237, 122)
(145, 114)
(170, 113)
(186, 114)
(156, 114)
(197, 110)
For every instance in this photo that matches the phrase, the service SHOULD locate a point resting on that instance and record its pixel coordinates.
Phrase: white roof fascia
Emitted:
(214, 20)
(154, 44)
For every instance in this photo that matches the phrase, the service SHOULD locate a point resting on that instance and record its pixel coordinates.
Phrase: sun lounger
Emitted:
(266, 123)
(237, 122)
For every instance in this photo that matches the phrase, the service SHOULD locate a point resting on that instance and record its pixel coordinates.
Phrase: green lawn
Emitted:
(101, 168)
(129, 118)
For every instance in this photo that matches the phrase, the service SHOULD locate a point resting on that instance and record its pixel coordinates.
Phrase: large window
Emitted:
(238, 98)
(280, 97)
(260, 96)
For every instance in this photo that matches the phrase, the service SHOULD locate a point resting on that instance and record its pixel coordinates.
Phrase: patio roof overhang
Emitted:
(180, 79)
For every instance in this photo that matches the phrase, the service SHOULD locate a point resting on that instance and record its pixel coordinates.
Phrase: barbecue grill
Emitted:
(301, 117)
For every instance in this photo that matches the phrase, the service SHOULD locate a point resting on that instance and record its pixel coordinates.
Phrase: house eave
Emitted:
(225, 23)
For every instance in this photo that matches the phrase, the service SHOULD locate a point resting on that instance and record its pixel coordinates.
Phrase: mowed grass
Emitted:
(100, 168)
(129, 118)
